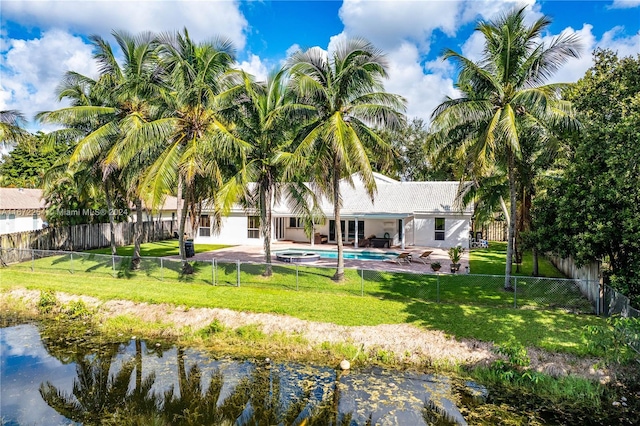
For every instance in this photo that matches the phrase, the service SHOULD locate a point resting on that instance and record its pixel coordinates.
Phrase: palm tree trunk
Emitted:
(534, 254)
(179, 203)
(512, 223)
(137, 236)
(265, 213)
(183, 253)
(339, 275)
(507, 216)
(112, 224)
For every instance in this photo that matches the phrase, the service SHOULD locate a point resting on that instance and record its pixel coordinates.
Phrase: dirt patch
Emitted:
(408, 342)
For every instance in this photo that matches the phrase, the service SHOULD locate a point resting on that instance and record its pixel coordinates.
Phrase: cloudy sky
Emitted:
(40, 40)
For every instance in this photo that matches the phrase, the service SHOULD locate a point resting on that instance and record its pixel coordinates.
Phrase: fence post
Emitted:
(213, 262)
(601, 297)
(362, 282)
(515, 292)
(238, 279)
(437, 287)
(297, 280)
(113, 265)
(161, 269)
(71, 256)
(33, 260)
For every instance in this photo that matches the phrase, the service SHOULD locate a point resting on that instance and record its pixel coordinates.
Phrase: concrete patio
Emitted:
(256, 254)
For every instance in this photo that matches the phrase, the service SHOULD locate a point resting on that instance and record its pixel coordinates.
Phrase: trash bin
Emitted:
(189, 249)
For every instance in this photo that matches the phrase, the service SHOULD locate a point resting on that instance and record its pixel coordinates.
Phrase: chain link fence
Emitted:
(482, 290)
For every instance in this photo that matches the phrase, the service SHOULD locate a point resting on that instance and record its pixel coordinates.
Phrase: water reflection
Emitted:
(66, 379)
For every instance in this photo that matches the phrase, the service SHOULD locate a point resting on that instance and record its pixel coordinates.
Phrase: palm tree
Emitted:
(189, 140)
(11, 127)
(503, 94)
(267, 117)
(109, 107)
(347, 94)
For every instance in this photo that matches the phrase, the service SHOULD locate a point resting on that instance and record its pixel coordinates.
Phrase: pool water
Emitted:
(355, 255)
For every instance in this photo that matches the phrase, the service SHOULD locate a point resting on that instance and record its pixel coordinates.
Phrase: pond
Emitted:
(48, 379)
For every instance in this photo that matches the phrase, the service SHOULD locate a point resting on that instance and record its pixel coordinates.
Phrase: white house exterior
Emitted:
(402, 213)
(21, 210)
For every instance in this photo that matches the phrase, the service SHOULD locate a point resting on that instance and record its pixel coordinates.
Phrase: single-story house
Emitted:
(401, 214)
(21, 209)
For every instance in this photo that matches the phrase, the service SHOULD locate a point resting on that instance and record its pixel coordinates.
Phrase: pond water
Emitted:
(51, 380)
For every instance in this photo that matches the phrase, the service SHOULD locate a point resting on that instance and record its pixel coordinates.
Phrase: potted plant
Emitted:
(435, 266)
(455, 254)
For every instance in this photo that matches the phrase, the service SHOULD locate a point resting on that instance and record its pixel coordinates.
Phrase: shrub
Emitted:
(47, 301)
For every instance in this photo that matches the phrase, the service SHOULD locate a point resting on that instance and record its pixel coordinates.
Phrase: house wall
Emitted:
(9, 225)
(233, 230)
(456, 228)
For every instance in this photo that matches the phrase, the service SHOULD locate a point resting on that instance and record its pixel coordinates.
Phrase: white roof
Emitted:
(393, 198)
(21, 199)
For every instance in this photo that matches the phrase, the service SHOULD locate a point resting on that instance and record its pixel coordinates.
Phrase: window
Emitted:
(439, 229)
(205, 226)
(296, 222)
(253, 227)
(35, 221)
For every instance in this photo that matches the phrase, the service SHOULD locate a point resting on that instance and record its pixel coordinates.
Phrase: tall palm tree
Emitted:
(267, 118)
(12, 127)
(349, 100)
(108, 107)
(503, 94)
(190, 139)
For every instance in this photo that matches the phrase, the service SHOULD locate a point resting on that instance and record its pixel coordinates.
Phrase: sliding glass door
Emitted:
(348, 234)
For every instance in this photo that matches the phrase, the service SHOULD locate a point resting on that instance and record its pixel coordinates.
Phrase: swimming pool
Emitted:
(355, 255)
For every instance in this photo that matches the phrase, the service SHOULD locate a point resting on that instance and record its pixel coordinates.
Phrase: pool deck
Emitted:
(256, 254)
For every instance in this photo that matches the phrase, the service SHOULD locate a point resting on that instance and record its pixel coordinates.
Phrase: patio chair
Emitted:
(404, 257)
(424, 257)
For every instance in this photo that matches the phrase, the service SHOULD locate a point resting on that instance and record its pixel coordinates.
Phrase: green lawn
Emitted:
(492, 261)
(158, 249)
(553, 330)
(466, 306)
(482, 291)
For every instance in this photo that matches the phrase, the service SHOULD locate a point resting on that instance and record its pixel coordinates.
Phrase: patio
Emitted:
(256, 254)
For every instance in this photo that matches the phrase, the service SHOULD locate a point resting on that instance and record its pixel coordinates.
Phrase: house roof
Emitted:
(394, 199)
(21, 199)
(400, 198)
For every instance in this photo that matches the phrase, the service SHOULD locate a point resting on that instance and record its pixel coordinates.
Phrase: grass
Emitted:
(492, 261)
(158, 249)
(553, 330)
(469, 306)
(486, 291)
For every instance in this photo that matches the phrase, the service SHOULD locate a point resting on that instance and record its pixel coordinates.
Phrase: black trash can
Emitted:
(189, 249)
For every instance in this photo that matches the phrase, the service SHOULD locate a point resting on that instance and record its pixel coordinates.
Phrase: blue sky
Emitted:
(40, 40)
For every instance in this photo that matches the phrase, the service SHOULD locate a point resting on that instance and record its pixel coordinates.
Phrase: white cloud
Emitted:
(625, 4)
(613, 39)
(491, 9)
(256, 67)
(625, 46)
(204, 19)
(33, 68)
(407, 78)
(387, 24)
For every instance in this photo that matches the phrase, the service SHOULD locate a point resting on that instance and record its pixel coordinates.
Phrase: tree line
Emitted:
(558, 161)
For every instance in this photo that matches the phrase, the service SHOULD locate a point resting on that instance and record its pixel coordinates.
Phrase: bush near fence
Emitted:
(484, 290)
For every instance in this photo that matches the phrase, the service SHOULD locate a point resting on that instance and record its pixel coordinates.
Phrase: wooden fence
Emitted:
(87, 236)
(494, 231)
